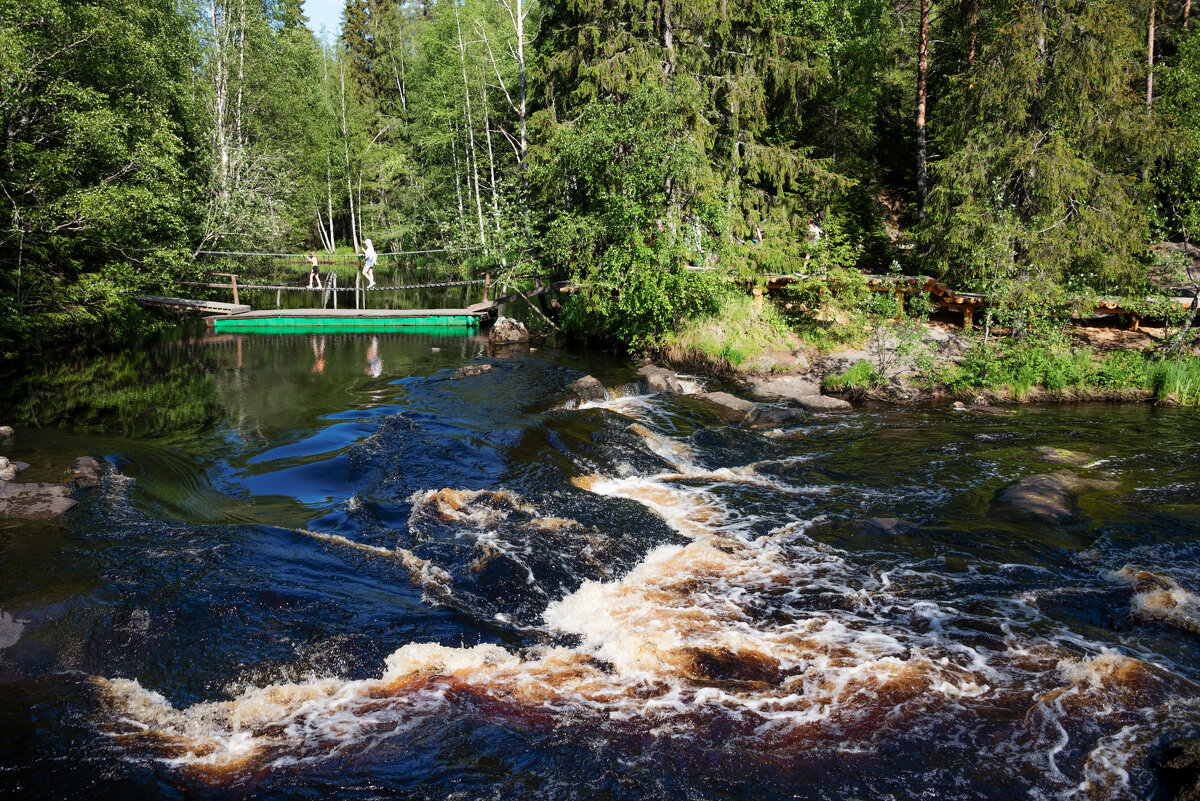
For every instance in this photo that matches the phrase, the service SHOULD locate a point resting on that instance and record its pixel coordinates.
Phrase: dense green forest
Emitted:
(989, 142)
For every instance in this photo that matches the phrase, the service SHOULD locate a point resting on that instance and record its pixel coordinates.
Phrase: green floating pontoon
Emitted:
(438, 322)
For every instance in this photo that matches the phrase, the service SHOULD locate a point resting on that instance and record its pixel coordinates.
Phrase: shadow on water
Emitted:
(324, 566)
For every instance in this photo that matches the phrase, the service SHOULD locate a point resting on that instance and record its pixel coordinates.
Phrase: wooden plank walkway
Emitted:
(967, 303)
(194, 305)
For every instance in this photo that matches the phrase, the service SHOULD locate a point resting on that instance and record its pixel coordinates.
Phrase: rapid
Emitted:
(350, 574)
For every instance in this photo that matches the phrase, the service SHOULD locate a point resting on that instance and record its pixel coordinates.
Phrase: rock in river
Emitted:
(587, 388)
(730, 402)
(468, 370)
(507, 331)
(657, 379)
(34, 501)
(1048, 497)
(824, 403)
(791, 387)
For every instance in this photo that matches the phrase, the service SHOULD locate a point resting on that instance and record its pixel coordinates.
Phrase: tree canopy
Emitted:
(638, 147)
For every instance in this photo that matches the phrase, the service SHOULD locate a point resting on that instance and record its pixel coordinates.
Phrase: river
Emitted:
(323, 567)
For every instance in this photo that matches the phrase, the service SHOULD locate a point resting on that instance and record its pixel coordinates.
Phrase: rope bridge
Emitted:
(279, 287)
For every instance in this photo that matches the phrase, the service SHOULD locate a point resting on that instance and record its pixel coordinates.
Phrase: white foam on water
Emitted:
(792, 638)
(423, 573)
(1158, 597)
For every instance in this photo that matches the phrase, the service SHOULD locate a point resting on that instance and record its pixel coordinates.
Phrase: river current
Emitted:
(325, 567)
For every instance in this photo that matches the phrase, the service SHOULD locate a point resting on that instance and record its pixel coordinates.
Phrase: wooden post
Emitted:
(334, 293)
(968, 316)
(233, 282)
(487, 285)
(278, 297)
(899, 304)
(758, 297)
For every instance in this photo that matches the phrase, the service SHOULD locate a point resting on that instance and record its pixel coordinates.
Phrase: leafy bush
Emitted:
(860, 376)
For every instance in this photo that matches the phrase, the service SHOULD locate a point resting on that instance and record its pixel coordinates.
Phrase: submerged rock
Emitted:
(658, 379)
(1047, 453)
(771, 417)
(507, 331)
(587, 388)
(1160, 598)
(889, 525)
(6, 432)
(468, 370)
(1044, 497)
(1179, 768)
(34, 501)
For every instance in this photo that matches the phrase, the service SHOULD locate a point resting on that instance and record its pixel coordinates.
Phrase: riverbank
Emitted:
(898, 360)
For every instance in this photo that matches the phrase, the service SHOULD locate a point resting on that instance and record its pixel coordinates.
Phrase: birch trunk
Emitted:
(462, 221)
(462, 57)
(346, 152)
(492, 168)
(1150, 62)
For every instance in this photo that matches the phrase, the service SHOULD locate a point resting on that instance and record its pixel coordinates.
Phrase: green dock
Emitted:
(445, 322)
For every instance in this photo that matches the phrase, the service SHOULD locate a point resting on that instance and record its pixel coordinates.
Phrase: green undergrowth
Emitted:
(1025, 371)
(862, 375)
(738, 333)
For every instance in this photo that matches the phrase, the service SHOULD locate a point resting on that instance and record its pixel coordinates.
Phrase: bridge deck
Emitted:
(306, 321)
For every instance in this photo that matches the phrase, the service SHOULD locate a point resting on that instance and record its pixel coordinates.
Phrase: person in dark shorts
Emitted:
(315, 275)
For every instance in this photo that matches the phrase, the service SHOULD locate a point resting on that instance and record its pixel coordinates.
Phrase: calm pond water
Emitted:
(321, 567)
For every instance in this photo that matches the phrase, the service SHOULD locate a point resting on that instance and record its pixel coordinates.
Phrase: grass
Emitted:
(1040, 372)
(861, 376)
(738, 333)
(1178, 378)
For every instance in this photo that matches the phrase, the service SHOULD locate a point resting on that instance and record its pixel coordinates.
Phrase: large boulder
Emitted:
(1035, 498)
(6, 432)
(787, 387)
(507, 331)
(653, 379)
(730, 403)
(587, 388)
(34, 501)
(823, 403)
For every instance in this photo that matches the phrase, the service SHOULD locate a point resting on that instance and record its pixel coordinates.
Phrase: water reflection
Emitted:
(345, 584)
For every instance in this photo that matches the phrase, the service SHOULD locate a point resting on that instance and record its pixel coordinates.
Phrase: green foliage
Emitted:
(738, 331)
(636, 199)
(1042, 158)
(1178, 378)
(99, 163)
(862, 375)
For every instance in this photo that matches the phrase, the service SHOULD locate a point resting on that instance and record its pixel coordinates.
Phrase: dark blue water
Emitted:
(326, 568)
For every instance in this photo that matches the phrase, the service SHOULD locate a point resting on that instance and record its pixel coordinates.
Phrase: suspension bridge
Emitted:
(337, 312)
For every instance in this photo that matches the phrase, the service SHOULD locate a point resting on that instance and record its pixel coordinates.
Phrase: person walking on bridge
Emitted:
(315, 273)
(369, 257)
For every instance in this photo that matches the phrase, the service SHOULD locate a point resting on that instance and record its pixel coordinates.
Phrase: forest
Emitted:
(644, 149)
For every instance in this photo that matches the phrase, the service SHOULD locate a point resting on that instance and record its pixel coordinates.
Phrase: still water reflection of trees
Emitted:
(259, 383)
